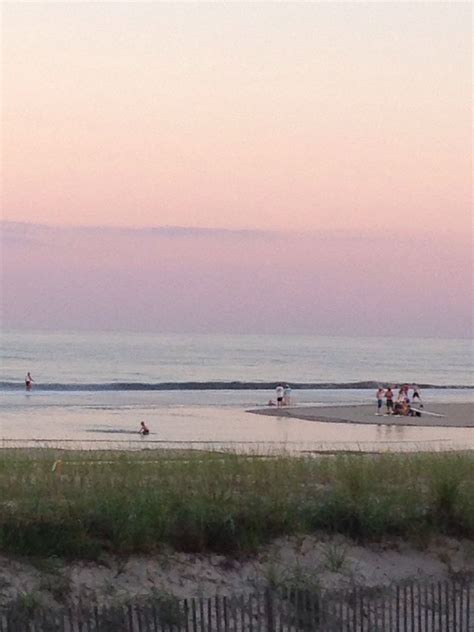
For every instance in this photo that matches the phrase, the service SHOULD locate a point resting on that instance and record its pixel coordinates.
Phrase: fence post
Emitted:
(440, 607)
(425, 601)
(468, 606)
(405, 609)
(269, 616)
(258, 603)
(397, 607)
(193, 606)
(447, 605)
(186, 616)
(242, 612)
(383, 603)
(450, 603)
(209, 616)
(296, 608)
(148, 618)
(226, 614)
(154, 616)
(232, 615)
(312, 608)
(250, 612)
(218, 613)
(432, 606)
(454, 589)
(355, 601)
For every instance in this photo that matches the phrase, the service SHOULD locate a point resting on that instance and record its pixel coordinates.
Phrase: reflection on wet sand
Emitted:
(214, 427)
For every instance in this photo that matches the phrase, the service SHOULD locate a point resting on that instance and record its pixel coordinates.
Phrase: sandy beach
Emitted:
(451, 415)
(184, 575)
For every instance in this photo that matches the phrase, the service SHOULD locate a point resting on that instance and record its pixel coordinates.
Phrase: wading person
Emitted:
(28, 381)
(280, 391)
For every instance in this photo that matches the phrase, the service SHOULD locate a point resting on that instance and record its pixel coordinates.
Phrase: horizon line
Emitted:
(169, 230)
(172, 333)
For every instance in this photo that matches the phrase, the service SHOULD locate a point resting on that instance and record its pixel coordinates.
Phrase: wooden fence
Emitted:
(408, 607)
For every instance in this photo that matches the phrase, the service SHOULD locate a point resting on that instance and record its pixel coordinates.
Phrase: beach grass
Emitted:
(85, 504)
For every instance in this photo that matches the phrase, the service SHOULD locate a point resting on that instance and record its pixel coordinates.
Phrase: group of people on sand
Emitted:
(402, 404)
(283, 396)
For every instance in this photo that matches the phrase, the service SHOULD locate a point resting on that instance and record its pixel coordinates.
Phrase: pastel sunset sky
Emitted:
(313, 161)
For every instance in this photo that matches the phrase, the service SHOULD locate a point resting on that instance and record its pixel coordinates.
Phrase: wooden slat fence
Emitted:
(409, 607)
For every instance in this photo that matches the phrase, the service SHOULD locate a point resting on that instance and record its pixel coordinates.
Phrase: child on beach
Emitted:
(143, 429)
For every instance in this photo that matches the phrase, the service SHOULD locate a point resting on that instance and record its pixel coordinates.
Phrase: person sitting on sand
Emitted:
(406, 408)
(397, 408)
(389, 400)
(143, 429)
(403, 408)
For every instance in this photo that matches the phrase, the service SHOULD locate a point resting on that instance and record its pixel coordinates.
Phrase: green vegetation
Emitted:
(91, 503)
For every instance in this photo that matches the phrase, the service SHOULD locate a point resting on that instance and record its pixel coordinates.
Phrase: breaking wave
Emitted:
(214, 386)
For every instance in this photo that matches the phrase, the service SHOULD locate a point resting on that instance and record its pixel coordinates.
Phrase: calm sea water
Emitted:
(83, 386)
(101, 358)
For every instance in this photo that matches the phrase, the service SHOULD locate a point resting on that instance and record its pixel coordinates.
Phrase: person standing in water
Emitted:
(279, 395)
(28, 381)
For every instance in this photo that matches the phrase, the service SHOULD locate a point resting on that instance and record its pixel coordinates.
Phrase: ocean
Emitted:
(93, 389)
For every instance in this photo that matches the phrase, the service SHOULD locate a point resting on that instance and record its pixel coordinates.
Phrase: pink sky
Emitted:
(353, 118)
(235, 282)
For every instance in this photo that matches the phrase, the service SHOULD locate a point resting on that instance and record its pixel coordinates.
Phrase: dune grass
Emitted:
(93, 503)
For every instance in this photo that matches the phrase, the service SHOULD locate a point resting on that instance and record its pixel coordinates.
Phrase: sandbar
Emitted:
(453, 415)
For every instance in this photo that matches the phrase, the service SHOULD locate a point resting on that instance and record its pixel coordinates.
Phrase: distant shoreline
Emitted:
(454, 415)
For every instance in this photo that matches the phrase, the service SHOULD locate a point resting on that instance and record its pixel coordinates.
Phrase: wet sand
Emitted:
(453, 415)
(110, 421)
